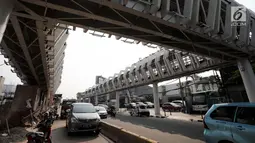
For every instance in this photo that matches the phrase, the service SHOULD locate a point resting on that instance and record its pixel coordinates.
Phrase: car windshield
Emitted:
(142, 107)
(103, 105)
(149, 103)
(174, 104)
(68, 102)
(100, 108)
(199, 99)
(84, 108)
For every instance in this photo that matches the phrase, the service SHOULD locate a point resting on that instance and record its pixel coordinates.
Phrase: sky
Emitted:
(87, 56)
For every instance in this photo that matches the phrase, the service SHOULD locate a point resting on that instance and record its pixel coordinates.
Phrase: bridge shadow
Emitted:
(191, 130)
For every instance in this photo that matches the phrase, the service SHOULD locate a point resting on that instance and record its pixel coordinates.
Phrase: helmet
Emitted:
(46, 115)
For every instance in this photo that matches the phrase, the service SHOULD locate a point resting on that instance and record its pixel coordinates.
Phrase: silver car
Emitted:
(102, 112)
(82, 117)
(230, 123)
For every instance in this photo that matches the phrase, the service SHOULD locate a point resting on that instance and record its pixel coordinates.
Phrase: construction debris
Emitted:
(17, 134)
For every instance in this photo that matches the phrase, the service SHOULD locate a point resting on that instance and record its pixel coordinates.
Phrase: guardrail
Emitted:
(120, 135)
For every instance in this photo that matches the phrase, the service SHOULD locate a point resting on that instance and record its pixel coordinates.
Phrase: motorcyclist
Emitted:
(112, 110)
(45, 125)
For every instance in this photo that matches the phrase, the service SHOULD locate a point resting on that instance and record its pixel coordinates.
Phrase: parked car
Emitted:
(102, 112)
(141, 103)
(82, 117)
(103, 105)
(140, 110)
(131, 106)
(179, 102)
(230, 123)
(169, 106)
(149, 104)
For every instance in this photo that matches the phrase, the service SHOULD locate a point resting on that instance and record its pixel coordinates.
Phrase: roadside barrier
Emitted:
(120, 135)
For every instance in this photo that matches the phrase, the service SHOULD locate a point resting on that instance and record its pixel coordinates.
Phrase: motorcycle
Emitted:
(44, 131)
(112, 112)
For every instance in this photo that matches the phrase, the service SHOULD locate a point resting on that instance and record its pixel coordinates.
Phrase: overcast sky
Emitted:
(87, 56)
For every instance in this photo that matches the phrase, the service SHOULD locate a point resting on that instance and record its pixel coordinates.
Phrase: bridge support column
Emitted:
(6, 7)
(96, 100)
(117, 104)
(156, 99)
(248, 77)
(107, 97)
(126, 100)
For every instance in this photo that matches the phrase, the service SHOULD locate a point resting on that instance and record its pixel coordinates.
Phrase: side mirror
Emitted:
(68, 110)
(97, 110)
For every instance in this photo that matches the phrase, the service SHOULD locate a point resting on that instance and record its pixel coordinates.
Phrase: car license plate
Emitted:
(86, 126)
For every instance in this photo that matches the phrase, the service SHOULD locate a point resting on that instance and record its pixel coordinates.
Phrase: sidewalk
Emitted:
(173, 115)
(179, 116)
(183, 116)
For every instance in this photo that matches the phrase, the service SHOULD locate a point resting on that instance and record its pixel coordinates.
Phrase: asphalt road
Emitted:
(59, 135)
(161, 130)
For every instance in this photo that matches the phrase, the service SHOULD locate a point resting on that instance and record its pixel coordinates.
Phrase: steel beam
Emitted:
(41, 36)
(24, 47)
(6, 7)
(126, 25)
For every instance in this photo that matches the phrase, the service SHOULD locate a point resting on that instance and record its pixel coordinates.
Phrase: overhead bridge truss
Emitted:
(201, 27)
(197, 26)
(160, 66)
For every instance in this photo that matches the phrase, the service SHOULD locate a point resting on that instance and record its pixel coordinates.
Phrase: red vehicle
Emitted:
(169, 106)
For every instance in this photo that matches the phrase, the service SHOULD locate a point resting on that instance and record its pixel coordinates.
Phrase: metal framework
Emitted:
(158, 67)
(197, 26)
(34, 48)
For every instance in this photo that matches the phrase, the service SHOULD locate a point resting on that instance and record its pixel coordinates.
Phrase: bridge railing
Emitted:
(211, 18)
(56, 44)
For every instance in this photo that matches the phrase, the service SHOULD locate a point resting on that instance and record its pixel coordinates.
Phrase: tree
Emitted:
(236, 74)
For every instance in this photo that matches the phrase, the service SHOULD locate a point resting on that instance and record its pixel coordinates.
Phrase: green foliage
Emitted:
(236, 74)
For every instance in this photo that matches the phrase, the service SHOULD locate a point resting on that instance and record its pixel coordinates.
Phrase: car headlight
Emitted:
(98, 120)
(73, 119)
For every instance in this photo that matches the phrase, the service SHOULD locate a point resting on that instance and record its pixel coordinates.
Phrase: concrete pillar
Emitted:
(88, 100)
(126, 100)
(117, 104)
(248, 77)
(96, 100)
(6, 7)
(156, 99)
(1, 85)
(107, 97)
